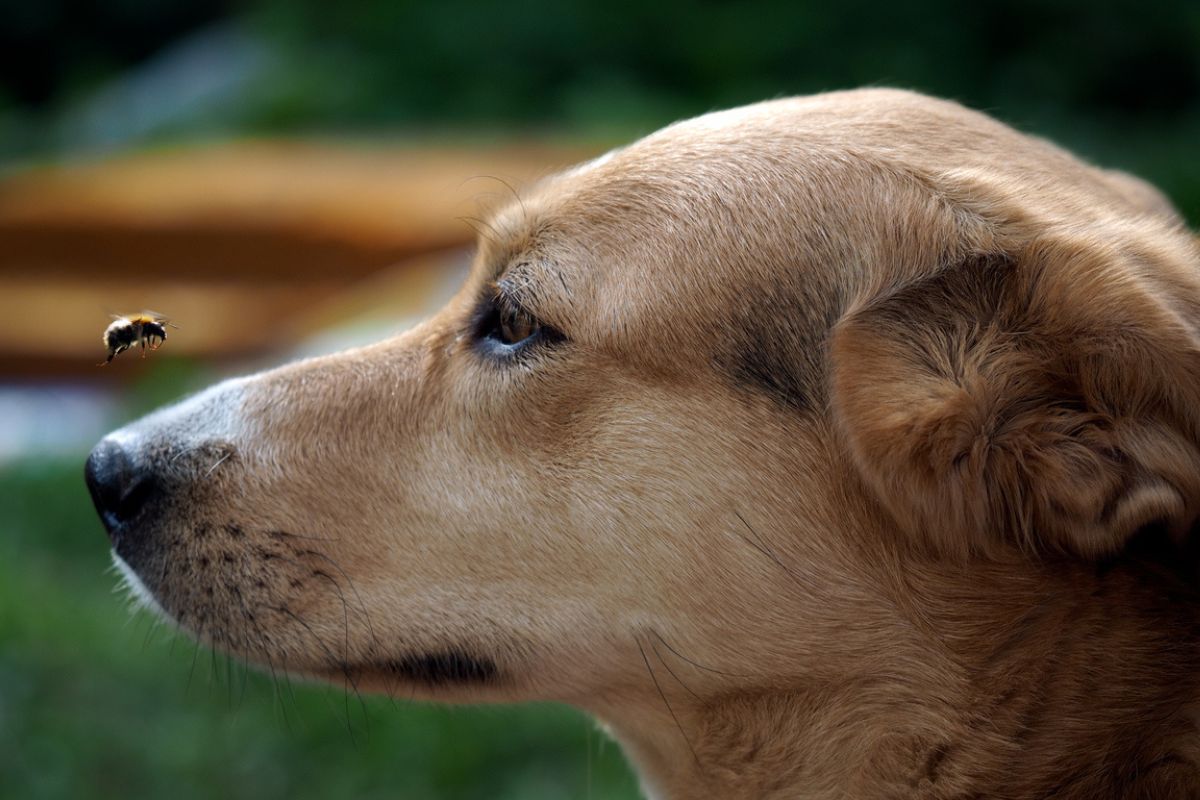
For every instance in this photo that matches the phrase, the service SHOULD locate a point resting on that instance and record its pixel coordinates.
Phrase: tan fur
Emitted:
(869, 467)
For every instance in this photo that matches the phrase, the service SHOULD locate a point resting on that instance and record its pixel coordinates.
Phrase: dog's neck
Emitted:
(1056, 680)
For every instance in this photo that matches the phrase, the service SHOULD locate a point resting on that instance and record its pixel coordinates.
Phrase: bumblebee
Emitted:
(146, 328)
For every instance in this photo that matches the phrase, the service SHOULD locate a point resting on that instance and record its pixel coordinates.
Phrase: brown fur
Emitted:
(868, 466)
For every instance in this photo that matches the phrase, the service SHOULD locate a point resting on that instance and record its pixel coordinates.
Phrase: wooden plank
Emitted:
(258, 210)
(195, 252)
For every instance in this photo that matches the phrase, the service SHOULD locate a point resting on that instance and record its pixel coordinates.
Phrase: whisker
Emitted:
(515, 194)
(758, 544)
(334, 662)
(666, 703)
(465, 181)
(244, 648)
(187, 687)
(286, 535)
(150, 631)
(502, 182)
(345, 611)
(213, 677)
(245, 673)
(672, 672)
(474, 222)
(277, 693)
(698, 665)
(220, 461)
(361, 604)
(345, 632)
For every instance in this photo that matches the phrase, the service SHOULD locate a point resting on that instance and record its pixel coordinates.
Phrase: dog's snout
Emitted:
(119, 487)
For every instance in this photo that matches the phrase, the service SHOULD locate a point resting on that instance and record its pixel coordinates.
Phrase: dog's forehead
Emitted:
(725, 183)
(680, 220)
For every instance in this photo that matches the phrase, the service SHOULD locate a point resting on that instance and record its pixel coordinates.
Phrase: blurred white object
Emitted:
(52, 421)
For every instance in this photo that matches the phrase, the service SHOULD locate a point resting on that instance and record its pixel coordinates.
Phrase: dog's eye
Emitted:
(514, 326)
(507, 330)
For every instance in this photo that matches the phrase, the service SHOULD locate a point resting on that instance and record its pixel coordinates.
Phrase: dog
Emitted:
(843, 446)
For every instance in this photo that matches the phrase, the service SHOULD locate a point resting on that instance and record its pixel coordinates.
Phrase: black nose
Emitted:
(119, 488)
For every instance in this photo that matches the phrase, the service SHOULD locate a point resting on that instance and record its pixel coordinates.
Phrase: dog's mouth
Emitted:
(436, 669)
(442, 669)
(139, 594)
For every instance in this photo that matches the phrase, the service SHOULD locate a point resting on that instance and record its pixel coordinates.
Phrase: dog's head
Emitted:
(694, 401)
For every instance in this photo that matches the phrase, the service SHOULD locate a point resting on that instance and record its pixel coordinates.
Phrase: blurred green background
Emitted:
(97, 703)
(1118, 82)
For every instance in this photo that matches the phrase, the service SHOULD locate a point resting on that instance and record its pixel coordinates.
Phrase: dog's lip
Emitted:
(113, 525)
(121, 538)
(140, 591)
(118, 532)
(444, 668)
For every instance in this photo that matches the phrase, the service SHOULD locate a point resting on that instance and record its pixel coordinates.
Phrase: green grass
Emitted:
(97, 703)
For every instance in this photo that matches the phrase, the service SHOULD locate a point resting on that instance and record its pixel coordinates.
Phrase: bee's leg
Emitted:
(143, 348)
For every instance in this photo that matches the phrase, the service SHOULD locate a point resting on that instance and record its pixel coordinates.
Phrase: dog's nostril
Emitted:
(135, 496)
(119, 489)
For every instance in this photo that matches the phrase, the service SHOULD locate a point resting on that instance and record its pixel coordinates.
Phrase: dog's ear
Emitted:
(1049, 399)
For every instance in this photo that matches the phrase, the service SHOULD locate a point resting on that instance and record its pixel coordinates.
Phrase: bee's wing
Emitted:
(162, 319)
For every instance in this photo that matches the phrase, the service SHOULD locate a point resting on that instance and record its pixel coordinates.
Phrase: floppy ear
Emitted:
(1047, 399)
